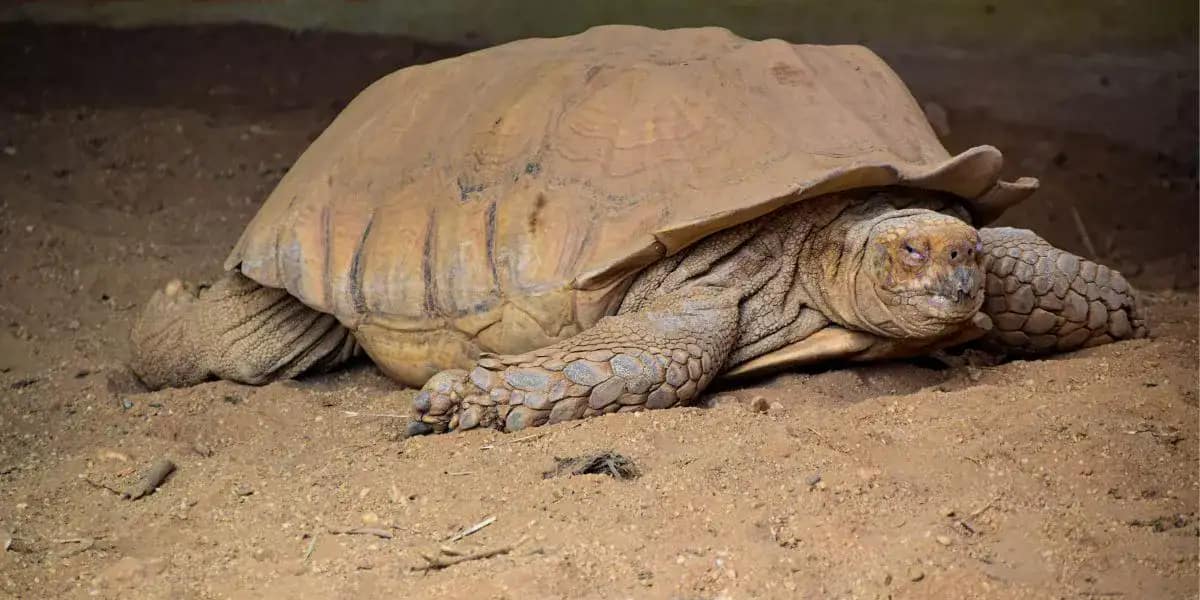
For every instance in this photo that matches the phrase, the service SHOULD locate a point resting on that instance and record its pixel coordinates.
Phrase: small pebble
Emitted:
(915, 574)
(370, 518)
(944, 540)
(760, 404)
(243, 490)
(813, 479)
(946, 511)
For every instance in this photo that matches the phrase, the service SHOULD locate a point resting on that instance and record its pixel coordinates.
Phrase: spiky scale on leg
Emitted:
(1043, 299)
(660, 357)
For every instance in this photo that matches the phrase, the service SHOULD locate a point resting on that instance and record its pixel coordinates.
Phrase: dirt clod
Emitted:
(759, 404)
(599, 463)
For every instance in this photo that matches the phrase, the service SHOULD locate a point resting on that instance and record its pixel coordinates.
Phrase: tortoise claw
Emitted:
(416, 428)
(436, 406)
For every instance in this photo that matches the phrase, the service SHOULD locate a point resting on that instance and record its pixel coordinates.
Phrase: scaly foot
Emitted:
(658, 358)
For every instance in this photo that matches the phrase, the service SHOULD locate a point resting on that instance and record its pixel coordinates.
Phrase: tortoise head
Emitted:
(920, 275)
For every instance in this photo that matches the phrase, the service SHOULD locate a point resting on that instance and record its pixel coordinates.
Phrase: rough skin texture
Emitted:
(657, 358)
(1043, 299)
(236, 330)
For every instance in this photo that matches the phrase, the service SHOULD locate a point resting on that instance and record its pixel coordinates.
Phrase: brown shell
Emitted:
(524, 184)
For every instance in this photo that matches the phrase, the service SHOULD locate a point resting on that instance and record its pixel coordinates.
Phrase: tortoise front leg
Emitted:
(1043, 299)
(660, 357)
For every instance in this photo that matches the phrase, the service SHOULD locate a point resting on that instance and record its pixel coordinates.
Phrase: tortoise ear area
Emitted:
(883, 264)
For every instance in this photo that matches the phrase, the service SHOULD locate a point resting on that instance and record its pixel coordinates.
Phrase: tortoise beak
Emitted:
(960, 286)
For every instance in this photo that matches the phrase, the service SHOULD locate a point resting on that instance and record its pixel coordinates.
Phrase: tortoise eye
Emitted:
(913, 253)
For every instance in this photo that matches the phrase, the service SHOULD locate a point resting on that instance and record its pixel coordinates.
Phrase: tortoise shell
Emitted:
(504, 199)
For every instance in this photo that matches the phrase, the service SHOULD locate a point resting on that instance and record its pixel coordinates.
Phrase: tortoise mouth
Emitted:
(950, 299)
(947, 309)
(925, 303)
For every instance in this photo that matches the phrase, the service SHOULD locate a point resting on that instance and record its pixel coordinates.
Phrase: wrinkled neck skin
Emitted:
(839, 285)
(813, 257)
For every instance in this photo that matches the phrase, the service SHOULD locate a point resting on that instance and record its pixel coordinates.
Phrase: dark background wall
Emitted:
(1065, 25)
(1123, 69)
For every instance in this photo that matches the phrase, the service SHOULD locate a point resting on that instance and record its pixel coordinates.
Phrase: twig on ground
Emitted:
(472, 529)
(437, 562)
(354, 413)
(312, 545)
(375, 531)
(85, 544)
(151, 480)
(1083, 233)
(527, 438)
(72, 540)
(981, 510)
(460, 473)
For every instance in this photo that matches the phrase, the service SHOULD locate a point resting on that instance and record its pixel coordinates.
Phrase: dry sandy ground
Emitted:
(128, 159)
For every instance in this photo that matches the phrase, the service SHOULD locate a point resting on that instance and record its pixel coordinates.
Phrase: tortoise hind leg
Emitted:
(1043, 299)
(236, 330)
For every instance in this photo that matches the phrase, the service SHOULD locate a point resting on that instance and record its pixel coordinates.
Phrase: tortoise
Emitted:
(557, 228)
